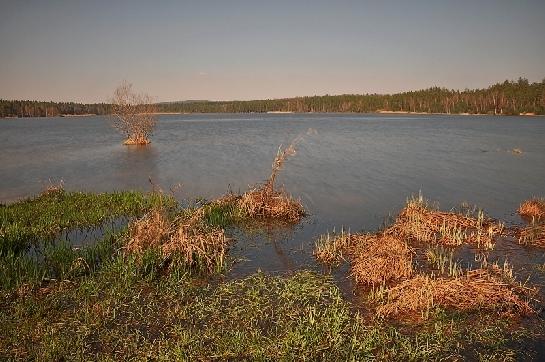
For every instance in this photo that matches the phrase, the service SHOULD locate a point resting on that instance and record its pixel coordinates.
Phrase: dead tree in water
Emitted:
(133, 114)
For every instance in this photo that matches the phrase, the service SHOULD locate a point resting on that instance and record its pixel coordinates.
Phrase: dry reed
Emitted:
(381, 258)
(532, 209)
(533, 234)
(331, 249)
(198, 245)
(420, 222)
(375, 258)
(266, 201)
(478, 290)
(52, 187)
(150, 231)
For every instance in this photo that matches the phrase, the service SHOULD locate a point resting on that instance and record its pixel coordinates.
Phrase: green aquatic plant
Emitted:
(41, 219)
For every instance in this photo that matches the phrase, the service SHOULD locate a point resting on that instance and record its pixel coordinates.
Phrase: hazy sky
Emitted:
(230, 49)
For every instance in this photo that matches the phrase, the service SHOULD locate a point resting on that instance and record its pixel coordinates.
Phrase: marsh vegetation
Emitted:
(159, 285)
(156, 289)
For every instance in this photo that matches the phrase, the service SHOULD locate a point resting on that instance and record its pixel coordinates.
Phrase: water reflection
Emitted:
(135, 166)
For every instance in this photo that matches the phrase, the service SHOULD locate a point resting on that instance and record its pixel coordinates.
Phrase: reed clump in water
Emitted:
(198, 236)
(375, 258)
(532, 209)
(533, 234)
(386, 255)
(381, 258)
(266, 201)
(423, 223)
(477, 290)
(533, 212)
(331, 249)
(187, 238)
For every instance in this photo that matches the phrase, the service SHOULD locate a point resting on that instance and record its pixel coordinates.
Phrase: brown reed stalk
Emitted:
(266, 200)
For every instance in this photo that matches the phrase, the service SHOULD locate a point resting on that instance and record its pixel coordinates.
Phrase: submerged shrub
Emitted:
(133, 115)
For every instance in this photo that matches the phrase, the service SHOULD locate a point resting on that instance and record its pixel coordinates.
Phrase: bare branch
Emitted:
(133, 114)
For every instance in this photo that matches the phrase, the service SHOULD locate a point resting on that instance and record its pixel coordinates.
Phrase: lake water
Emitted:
(354, 172)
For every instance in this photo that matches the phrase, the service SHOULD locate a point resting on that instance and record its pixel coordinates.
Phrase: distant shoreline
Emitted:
(291, 112)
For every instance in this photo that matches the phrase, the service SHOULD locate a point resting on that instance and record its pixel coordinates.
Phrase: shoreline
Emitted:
(291, 112)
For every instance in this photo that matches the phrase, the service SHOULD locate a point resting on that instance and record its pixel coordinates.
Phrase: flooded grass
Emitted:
(533, 213)
(187, 239)
(157, 289)
(42, 218)
(127, 312)
(32, 249)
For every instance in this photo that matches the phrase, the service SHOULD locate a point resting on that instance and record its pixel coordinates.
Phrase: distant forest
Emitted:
(507, 98)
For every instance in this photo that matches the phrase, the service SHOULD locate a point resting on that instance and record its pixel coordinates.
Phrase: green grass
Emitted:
(42, 218)
(222, 215)
(100, 303)
(36, 224)
(58, 261)
(441, 258)
(125, 312)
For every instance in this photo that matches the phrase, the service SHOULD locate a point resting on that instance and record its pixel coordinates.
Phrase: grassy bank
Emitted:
(146, 291)
(126, 311)
(31, 249)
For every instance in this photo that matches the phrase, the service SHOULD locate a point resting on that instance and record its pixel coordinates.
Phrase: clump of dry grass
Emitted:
(375, 258)
(150, 231)
(381, 258)
(265, 203)
(532, 209)
(52, 187)
(187, 237)
(268, 202)
(532, 234)
(331, 249)
(198, 245)
(478, 290)
(420, 222)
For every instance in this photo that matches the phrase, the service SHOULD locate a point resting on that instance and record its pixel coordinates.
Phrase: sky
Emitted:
(232, 49)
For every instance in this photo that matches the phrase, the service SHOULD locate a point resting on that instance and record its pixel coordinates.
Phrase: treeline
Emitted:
(50, 109)
(508, 98)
